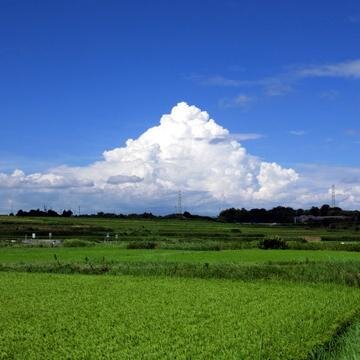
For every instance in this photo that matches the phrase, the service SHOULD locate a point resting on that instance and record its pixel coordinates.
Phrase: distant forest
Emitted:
(284, 215)
(280, 214)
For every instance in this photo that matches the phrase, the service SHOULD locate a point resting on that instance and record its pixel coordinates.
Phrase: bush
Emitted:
(142, 245)
(77, 243)
(273, 243)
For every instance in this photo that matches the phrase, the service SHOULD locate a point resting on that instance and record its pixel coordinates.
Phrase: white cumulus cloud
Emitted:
(187, 150)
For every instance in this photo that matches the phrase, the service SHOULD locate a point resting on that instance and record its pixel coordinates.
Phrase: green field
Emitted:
(98, 254)
(163, 229)
(173, 301)
(60, 316)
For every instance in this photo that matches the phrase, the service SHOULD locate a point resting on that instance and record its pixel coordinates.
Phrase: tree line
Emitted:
(44, 213)
(101, 214)
(279, 214)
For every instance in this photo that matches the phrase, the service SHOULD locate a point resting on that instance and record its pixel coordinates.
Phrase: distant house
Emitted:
(306, 219)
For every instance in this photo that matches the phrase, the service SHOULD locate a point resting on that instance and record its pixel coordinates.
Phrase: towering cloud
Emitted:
(187, 151)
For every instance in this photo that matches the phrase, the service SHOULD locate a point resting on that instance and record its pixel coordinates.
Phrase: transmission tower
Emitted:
(179, 203)
(11, 206)
(333, 196)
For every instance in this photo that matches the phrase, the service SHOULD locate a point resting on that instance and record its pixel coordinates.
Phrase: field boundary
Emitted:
(325, 351)
(346, 273)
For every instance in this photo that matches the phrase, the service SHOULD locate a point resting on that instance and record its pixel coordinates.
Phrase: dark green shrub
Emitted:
(273, 243)
(77, 243)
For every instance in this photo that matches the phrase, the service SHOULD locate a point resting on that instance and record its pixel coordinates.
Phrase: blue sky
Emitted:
(80, 77)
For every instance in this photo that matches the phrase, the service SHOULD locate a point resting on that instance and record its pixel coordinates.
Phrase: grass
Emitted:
(60, 316)
(247, 265)
(98, 254)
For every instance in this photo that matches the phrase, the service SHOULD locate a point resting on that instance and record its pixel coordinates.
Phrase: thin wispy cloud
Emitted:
(354, 19)
(277, 89)
(217, 80)
(240, 101)
(272, 86)
(246, 136)
(329, 94)
(237, 137)
(298, 132)
(352, 132)
(283, 83)
(221, 81)
(346, 69)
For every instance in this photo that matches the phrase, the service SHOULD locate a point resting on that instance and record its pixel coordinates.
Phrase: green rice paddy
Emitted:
(92, 317)
(118, 254)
